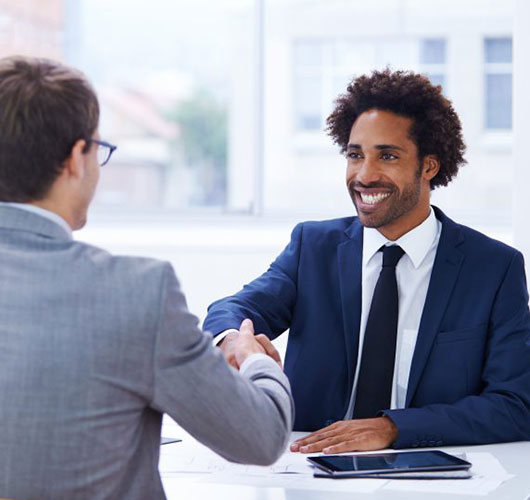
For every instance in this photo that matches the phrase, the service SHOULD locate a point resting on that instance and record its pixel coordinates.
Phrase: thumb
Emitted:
(247, 327)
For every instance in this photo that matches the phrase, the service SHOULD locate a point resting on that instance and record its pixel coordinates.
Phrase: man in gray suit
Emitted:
(95, 348)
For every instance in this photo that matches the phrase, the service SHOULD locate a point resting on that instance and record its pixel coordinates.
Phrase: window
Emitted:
(308, 60)
(323, 68)
(433, 59)
(498, 83)
(168, 76)
(320, 74)
(201, 128)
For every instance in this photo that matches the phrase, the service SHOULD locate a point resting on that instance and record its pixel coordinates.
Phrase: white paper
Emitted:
(287, 464)
(292, 471)
(488, 475)
(298, 482)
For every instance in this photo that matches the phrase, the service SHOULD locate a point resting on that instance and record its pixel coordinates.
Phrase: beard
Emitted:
(395, 206)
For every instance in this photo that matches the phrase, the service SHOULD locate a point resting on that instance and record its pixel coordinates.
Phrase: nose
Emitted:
(366, 171)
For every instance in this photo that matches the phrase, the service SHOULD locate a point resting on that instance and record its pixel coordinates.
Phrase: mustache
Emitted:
(354, 185)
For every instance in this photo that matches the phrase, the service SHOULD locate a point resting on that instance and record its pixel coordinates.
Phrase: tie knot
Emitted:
(391, 255)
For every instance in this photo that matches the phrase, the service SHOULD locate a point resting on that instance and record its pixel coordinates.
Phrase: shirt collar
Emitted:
(416, 243)
(57, 219)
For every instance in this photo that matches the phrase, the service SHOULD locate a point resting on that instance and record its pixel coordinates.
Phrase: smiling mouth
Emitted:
(372, 198)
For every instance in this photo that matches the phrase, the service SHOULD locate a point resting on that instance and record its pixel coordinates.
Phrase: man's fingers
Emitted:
(270, 350)
(330, 430)
(349, 435)
(317, 436)
(364, 441)
(247, 327)
(312, 438)
(354, 444)
(322, 444)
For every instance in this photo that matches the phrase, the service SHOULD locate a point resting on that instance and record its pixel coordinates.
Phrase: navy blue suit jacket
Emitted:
(470, 374)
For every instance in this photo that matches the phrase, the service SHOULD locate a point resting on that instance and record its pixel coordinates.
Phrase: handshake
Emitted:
(238, 346)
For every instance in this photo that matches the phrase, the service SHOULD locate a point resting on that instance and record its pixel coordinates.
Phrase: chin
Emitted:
(370, 222)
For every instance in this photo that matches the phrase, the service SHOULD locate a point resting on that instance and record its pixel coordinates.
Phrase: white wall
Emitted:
(211, 259)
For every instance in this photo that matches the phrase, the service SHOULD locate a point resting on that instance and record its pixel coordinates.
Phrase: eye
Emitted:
(354, 155)
(389, 156)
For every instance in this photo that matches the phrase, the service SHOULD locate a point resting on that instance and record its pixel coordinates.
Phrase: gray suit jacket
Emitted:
(94, 348)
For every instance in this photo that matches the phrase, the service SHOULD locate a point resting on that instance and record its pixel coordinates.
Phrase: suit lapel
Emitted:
(444, 274)
(350, 271)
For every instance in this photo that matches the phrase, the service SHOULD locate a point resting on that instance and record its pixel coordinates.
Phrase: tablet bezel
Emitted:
(459, 465)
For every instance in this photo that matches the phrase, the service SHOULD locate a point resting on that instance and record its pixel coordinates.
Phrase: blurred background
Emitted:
(218, 110)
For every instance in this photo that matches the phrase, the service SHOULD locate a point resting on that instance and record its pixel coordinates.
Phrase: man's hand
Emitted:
(238, 346)
(270, 350)
(228, 348)
(349, 435)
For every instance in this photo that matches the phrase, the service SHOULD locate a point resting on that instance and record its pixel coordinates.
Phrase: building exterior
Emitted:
(314, 48)
(280, 160)
(32, 27)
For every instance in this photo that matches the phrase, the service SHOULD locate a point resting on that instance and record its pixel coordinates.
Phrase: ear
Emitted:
(431, 166)
(74, 166)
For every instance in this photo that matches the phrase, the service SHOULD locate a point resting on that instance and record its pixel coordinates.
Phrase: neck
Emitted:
(401, 226)
(56, 208)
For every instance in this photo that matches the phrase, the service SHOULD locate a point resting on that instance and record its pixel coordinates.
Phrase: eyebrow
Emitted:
(379, 147)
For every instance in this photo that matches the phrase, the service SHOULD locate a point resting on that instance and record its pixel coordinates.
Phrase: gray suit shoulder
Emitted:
(128, 283)
(123, 267)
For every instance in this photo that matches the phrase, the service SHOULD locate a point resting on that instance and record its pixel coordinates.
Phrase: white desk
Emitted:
(515, 457)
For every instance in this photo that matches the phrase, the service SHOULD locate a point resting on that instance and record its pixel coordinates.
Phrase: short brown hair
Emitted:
(436, 128)
(45, 107)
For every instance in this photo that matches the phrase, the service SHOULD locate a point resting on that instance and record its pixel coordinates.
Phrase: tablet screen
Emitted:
(431, 460)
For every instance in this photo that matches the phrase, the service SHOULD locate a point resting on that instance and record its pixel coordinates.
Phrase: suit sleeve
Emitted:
(268, 300)
(244, 418)
(501, 412)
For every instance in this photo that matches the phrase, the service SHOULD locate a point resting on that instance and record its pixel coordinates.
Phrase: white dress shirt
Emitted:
(413, 273)
(40, 211)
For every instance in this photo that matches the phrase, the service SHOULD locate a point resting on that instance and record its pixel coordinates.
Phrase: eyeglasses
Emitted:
(104, 152)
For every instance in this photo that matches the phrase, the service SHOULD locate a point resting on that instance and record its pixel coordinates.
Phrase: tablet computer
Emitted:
(164, 440)
(409, 461)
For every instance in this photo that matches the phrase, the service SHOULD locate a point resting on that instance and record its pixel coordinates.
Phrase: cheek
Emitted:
(350, 174)
(95, 178)
(402, 177)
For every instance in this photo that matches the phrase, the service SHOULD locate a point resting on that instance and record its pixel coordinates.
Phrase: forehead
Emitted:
(380, 127)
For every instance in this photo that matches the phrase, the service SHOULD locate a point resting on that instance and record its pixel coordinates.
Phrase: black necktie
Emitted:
(374, 387)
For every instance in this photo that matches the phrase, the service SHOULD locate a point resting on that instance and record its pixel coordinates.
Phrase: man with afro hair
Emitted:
(406, 328)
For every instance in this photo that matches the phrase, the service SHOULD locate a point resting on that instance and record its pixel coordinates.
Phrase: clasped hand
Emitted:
(347, 435)
(238, 346)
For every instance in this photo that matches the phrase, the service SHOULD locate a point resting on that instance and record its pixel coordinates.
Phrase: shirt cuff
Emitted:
(218, 338)
(256, 357)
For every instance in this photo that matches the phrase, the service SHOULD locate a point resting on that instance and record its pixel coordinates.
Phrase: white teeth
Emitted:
(372, 199)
